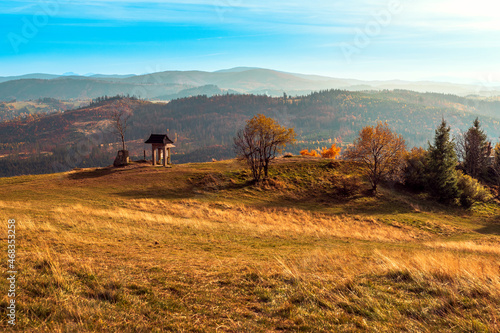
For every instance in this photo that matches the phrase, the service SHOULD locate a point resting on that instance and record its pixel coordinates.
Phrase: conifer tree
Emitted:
(476, 150)
(442, 173)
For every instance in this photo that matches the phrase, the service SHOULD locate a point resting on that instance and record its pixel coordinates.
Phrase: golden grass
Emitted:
(276, 221)
(466, 246)
(104, 262)
(441, 267)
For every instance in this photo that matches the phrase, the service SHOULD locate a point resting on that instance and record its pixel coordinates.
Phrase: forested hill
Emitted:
(205, 126)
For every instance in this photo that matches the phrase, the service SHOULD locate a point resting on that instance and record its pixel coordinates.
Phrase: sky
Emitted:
(440, 40)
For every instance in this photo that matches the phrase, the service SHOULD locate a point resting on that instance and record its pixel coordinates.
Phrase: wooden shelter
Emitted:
(161, 145)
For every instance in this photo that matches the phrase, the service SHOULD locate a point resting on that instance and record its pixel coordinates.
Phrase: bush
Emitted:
(471, 191)
(305, 152)
(346, 186)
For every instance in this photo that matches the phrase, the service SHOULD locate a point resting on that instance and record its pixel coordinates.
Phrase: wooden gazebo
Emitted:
(161, 145)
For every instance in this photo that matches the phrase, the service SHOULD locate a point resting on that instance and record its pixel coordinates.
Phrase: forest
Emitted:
(204, 127)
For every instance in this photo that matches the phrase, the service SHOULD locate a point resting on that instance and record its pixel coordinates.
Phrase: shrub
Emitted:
(471, 191)
(347, 186)
(305, 152)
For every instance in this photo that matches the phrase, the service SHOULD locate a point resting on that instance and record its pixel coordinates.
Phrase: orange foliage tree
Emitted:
(260, 141)
(415, 168)
(380, 151)
(331, 152)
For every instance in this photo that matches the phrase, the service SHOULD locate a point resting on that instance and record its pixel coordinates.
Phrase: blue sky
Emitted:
(365, 39)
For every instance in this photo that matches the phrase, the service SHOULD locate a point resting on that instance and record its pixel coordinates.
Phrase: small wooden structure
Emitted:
(161, 145)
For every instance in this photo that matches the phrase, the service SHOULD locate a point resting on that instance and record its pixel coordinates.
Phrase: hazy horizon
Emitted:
(433, 79)
(441, 40)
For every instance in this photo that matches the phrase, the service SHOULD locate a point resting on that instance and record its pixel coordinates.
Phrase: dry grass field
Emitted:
(197, 248)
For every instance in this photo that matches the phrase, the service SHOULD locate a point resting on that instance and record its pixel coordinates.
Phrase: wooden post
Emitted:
(164, 156)
(144, 154)
(153, 153)
(169, 160)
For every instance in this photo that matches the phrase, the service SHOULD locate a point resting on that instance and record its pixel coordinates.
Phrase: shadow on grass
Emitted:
(184, 192)
(101, 172)
(91, 174)
(389, 202)
(490, 229)
(158, 192)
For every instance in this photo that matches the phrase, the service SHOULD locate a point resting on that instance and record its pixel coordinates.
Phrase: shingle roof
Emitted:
(159, 138)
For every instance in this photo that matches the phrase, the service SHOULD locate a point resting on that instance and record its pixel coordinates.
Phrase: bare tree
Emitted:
(246, 149)
(120, 117)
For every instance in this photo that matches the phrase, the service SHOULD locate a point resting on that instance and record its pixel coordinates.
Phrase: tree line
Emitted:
(451, 170)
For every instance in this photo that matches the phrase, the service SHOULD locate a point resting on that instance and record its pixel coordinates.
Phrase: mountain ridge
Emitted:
(249, 80)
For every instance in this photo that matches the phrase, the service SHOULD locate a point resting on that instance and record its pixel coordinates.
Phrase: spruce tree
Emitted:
(442, 173)
(476, 150)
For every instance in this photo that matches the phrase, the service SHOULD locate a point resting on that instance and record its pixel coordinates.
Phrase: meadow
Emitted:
(199, 248)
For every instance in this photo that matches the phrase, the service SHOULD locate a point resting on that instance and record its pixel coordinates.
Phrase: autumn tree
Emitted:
(259, 143)
(415, 169)
(332, 152)
(380, 152)
(442, 162)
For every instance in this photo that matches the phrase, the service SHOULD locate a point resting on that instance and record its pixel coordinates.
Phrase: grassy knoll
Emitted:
(197, 248)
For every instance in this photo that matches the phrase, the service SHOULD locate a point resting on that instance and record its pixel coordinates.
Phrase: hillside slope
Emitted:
(205, 127)
(197, 248)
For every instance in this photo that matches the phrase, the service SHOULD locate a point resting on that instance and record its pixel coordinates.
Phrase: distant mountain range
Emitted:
(177, 84)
